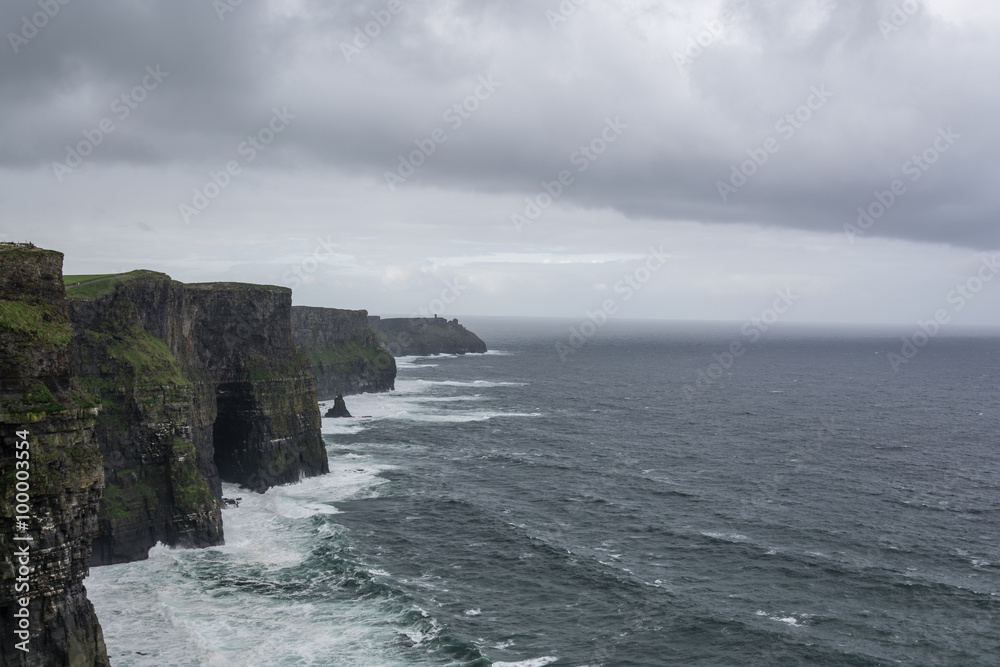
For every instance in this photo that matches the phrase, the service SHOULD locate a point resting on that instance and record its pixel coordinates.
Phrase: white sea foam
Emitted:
(537, 662)
(411, 361)
(789, 620)
(343, 426)
(163, 608)
(727, 537)
(463, 416)
(473, 383)
(413, 402)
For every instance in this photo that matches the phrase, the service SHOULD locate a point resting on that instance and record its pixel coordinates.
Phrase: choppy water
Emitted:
(810, 507)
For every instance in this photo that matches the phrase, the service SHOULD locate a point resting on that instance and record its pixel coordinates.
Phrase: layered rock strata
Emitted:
(424, 336)
(201, 384)
(51, 469)
(345, 353)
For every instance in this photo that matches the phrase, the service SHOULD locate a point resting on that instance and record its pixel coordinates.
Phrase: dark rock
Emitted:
(231, 503)
(425, 336)
(346, 355)
(39, 394)
(201, 384)
(339, 409)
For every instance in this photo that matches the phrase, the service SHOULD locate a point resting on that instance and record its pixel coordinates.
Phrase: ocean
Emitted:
(801, 504)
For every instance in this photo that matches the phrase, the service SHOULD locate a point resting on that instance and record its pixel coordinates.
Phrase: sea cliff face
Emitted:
(346, 355)
(201, 384)
(425, 336)
(42, 404)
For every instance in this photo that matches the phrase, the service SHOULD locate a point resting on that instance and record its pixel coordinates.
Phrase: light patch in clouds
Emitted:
(966, 13)
(324, 177)
(533, 258)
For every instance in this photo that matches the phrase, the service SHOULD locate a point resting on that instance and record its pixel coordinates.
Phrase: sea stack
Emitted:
(339, 408)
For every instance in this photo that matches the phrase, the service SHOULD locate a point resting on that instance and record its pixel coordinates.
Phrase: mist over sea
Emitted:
(810, 505)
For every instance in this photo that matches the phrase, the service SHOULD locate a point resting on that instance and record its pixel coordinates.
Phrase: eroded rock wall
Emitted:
(424, 336)
(346, 355)
(47, 433)
(201, 384)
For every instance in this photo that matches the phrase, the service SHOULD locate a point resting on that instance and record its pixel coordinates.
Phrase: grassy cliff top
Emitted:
(249, 287)
(9, 249)
(93, 286)
(96, 285)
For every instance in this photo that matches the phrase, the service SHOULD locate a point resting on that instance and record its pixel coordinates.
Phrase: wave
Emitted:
(536, 662)
(789, 620)
(285, 589)
(728, 537)
(459, 418)
(473, 383)
(411, 360)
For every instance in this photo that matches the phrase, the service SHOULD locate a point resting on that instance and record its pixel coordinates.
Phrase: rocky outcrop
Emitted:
(47, 428)
(423, 336)
(345, 353)
(201, 384)
(339, 409)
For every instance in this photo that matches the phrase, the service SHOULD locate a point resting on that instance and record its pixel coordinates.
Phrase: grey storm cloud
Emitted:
(786, 114)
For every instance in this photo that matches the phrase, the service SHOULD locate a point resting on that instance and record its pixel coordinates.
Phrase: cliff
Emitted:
(423, 336)
(345, 353)
(201, 384)
(52, 473)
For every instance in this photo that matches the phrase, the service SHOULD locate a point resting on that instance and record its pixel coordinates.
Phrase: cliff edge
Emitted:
(52, 473)
(346, 355)
(202, 384)
(425, 336)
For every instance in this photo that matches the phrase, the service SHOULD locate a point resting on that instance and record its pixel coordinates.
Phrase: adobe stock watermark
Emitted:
(896, 19)
(455, 116)
(223, 7)
(122, 107)
(31, 26)
(21, 556)
(565, 10)
(958, 298)
(787, 126)
(752, 331)
(630, 284)
(299, 274)
(581, 159)
(713, 31)
(364, 35)
(915, 168)
(249, 150)
(450, 293)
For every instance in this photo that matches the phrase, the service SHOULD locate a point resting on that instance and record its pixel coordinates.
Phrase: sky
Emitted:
(660, 159)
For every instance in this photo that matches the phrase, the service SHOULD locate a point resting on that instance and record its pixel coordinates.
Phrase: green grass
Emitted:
(346, 353)
(84, 400)
(131, 358)
(46, 324)
(16, 250)
(103, 284)
(190, 489)
(148, 359)
(69, 280)
(121, 502)
(39, 399)
(238, 287)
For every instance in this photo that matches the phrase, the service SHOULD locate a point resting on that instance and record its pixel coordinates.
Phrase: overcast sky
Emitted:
(737, 140)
